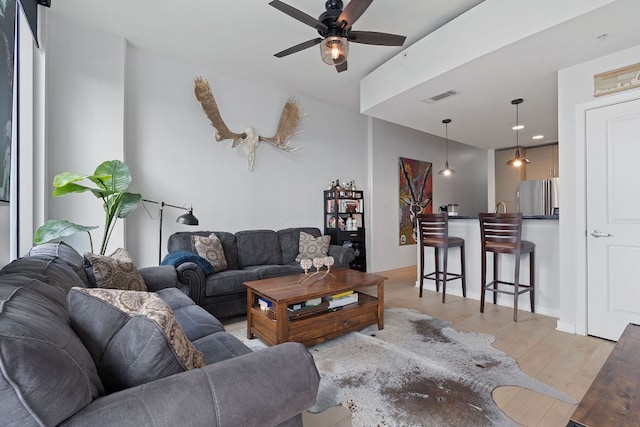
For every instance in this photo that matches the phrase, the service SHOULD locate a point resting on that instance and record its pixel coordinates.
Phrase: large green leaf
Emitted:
(65, 178)
(118, 173)
(128, 203)
(54, 230)
(69, 188)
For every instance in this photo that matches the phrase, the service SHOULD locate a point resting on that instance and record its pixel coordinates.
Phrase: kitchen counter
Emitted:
(523, 216)
(542, 230)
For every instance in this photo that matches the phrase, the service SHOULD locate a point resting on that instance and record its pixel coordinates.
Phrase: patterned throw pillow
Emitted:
(132, 336)
(210, 248)
(312, 247)
(116, 271)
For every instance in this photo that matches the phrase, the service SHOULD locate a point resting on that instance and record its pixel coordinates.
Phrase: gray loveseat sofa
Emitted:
(50, 378)
(250, 255)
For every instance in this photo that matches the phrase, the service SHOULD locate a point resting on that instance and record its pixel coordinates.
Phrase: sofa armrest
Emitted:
(263, 388)
(191, 280)
(343, 255)
(159, 277)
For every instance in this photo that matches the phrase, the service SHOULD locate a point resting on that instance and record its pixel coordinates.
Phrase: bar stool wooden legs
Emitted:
(434, 232)
(501, 234)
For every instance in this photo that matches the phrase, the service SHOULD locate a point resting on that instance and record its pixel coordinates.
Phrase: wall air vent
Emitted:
(440, 97)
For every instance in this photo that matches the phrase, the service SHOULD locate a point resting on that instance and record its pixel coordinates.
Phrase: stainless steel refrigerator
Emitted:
(539, 197)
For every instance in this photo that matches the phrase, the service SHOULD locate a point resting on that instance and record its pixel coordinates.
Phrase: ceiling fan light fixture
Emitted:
(334, 50)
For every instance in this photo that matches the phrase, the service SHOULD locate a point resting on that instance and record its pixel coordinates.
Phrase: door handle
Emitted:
(596, 233)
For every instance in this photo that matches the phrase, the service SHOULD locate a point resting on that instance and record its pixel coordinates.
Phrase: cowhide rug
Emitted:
(417, 371)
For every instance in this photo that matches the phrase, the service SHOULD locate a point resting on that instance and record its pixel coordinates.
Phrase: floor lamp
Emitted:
(186, 219)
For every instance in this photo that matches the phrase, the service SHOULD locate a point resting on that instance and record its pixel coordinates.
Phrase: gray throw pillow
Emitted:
(132, 336)
(312, 247)
(210, 248)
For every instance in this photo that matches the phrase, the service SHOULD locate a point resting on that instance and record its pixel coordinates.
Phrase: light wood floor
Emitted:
(565, 361)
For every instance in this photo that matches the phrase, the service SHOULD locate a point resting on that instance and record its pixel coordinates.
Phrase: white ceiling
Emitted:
(240, 37)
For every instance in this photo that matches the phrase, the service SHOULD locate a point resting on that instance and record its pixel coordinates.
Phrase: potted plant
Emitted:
(111, 179)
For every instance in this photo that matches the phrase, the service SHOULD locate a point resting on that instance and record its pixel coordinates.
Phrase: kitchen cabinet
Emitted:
(508, 177)
(544, 162)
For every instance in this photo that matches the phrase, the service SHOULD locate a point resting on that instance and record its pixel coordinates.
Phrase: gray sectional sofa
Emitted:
(50, 376)
(250, 255)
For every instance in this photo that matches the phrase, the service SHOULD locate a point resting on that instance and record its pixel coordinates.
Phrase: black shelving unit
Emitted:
(343, 207)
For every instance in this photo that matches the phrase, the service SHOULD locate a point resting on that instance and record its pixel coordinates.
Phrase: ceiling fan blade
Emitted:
(352, 12)
(380, 39)
(299, 47)
(299, 15)
(342, 67)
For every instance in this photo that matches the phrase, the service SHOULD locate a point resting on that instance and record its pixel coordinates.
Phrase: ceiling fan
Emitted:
(334, 25)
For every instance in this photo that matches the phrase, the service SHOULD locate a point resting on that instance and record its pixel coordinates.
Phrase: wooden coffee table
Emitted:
(277, 325)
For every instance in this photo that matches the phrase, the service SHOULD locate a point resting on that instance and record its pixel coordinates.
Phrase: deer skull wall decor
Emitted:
(249, 139)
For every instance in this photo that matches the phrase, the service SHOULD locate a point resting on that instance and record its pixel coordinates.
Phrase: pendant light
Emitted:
(447, 171)
(517, 160)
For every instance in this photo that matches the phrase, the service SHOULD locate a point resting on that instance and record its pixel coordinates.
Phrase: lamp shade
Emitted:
(188, 218)
(334, 50)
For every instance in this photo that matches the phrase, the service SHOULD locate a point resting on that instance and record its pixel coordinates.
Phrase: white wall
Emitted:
(468, 187)
(575, 90)
(174, 157)
(84, 117)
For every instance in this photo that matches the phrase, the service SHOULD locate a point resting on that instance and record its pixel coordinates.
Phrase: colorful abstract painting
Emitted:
(416, 195)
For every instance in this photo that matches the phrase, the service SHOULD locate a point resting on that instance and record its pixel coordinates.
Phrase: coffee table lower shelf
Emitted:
(318, 327)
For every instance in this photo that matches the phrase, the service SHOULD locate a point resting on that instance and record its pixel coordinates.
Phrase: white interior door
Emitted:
(613, 218)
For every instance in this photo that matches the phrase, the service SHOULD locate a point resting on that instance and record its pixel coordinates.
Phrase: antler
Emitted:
(210, 107)
(289, 120)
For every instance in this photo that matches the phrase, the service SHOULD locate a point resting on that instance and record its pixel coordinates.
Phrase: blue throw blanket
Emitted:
(177, 258)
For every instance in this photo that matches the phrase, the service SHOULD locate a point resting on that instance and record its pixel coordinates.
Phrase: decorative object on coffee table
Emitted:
(318, 263)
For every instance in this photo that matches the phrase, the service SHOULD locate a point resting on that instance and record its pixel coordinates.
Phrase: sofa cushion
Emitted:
(229, 282)
(210, 248)
(258, 247)
(47, 373)
(181, 241)
(53, 271)
(65, 253)
(290, 242)
(267, 271)
(313, 247)
(116, 271)
(194, 320)
(220, 346)
(132, 336)
(179, 257)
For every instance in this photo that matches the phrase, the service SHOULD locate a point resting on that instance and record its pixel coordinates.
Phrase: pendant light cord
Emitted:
(446, 145)
(517, 126)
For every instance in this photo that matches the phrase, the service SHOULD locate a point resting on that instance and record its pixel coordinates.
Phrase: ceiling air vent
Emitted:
(440, 97)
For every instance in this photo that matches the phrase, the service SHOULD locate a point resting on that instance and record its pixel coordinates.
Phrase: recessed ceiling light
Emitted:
(537, 137)
(518, 127)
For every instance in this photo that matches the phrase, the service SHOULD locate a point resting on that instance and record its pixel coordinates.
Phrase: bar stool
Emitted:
(434, 233)
(502, 234)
